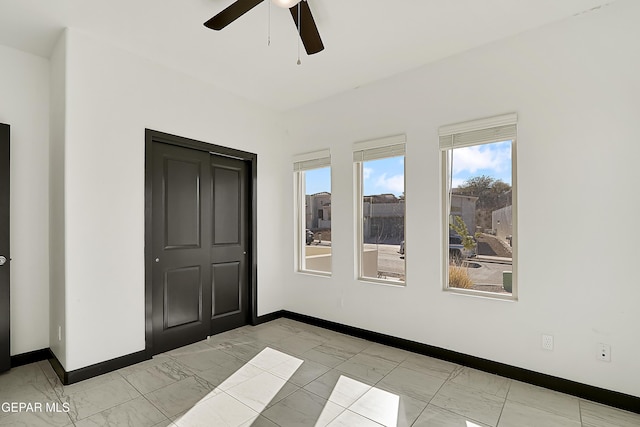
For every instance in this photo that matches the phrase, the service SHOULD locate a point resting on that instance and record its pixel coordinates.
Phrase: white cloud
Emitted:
(457, 182)
(496, 157)
(366, 172)
(393, 184)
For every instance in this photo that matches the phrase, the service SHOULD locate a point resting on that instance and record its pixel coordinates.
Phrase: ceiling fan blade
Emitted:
(308, 30)
(231, 13)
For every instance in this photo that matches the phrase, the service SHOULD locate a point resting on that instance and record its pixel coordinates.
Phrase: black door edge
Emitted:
(153, 136)
(5, 269)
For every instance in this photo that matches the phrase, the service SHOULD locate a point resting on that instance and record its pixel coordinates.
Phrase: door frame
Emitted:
(152, 136)
(5, 248)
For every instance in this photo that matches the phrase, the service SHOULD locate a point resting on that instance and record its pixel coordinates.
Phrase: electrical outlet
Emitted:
(604, 352)
(547, 342)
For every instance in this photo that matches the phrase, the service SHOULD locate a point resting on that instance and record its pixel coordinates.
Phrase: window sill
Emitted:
(314, 273)
(371, 280)
(482, 295)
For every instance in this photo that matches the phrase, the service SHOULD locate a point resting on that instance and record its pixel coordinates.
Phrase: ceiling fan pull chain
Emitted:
(299, 35)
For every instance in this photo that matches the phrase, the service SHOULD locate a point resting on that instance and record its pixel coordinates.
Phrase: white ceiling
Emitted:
(365, 40)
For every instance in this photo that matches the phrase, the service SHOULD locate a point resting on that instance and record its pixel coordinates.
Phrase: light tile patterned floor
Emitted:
(287, 373)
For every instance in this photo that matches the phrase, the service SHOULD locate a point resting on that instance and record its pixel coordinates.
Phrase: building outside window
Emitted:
(312, 175)
(380, 193)
(479, 204)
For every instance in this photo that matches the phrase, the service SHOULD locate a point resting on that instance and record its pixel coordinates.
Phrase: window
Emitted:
(379, 169)
(479, 200)
(312, 173)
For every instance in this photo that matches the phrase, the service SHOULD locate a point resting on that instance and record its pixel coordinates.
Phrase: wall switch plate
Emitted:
(547, 342)
(604, 352)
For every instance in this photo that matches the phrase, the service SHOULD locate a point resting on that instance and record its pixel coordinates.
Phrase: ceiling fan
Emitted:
(300, 12)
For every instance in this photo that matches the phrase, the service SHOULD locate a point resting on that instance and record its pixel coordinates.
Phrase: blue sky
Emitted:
(380, 176)
(384, 176)
(492, 160)
(318, 180)
(387, 175)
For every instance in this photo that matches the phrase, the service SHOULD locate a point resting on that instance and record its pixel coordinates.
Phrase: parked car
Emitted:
(309, 236)
(457, 251)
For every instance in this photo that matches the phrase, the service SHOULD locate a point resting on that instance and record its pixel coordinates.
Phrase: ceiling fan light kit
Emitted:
(286, 4)
(300, 12)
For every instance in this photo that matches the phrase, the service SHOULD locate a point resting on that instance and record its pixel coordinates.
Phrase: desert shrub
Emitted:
(459, 277)
(460, 227)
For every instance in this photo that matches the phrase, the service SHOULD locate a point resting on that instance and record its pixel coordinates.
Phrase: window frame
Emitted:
(475, 133)
(377, 149)
(301, 164)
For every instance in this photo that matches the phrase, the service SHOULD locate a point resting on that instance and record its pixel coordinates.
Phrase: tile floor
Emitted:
(286, 373)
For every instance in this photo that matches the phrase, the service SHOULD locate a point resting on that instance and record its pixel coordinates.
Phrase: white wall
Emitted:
(112, 96)
(57, 292)
(575, 87)
(24, 104)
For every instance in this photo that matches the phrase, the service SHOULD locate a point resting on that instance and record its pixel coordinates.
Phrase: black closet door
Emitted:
(229, 244)
(181, 246)
(200, 233)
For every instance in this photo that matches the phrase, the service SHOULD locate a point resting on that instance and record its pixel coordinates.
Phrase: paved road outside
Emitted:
(389, 261)
(488, 271)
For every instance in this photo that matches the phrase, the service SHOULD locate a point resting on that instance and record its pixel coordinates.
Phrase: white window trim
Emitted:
(381, 148)
(312, 160)
(481, 124)
(303, 162)
(479, 132)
